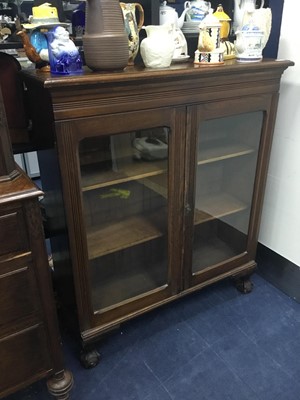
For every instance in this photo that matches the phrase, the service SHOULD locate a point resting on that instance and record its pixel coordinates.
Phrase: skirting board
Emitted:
(279, 271)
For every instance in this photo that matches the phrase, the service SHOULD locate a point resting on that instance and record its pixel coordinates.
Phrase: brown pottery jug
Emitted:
(105, 42)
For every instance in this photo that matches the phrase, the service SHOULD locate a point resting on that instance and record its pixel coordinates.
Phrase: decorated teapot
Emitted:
(196, 10)
(241, 7)
(168, 15)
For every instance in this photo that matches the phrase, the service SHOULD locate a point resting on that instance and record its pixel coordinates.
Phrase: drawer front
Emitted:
(13, 237)
(24, 358)
(18, 295)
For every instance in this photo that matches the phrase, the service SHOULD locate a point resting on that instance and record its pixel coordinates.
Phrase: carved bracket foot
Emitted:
(243, 284)
(89, 358)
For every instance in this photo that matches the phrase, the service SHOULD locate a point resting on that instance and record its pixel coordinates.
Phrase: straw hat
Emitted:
(44, 16)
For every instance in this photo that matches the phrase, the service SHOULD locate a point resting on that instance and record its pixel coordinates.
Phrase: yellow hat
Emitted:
(44, 16)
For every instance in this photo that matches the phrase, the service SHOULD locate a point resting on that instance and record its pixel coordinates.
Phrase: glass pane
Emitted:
(226, 167)
(125, 197)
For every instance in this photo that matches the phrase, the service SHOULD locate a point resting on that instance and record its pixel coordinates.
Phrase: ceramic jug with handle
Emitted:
(132, 27)
(158, 47)
(240, 8)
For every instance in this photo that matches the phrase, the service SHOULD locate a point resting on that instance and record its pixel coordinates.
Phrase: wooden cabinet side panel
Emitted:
(18, 293)
(23, 359)
(13, 237)
(44, 283)
(262, 170)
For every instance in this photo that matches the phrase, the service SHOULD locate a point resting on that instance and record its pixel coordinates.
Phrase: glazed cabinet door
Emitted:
(229, 145)
(125, 225)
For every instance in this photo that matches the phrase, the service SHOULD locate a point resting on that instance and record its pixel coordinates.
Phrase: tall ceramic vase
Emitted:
(105, 42)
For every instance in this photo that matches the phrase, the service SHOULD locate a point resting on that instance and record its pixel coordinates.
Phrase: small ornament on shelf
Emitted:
(249, 43)
(228, 50)
(209, 51)
(227, 46)
(35, 43)
(64, 56)
(224, 21)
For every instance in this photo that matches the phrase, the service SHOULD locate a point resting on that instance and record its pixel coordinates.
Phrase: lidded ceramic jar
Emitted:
(209, 51)
(249, 43)
(209, 35)
(224, 20)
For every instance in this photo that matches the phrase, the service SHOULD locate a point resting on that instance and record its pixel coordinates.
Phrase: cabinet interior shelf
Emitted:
(134, 230)
(123, 288)
(137, 229)
(158, 183)
(217, 206)
(211, 252)
(93, 176)
(221, 151)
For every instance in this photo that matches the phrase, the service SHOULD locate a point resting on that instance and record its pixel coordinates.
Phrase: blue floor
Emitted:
(216, 344)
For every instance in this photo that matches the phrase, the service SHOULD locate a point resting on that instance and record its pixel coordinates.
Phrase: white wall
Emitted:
(280, 224)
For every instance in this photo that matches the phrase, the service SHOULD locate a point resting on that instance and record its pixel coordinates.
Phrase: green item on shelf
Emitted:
(114, 192)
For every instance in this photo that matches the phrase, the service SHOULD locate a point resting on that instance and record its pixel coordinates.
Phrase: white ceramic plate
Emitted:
(190, 30)
(181, 58)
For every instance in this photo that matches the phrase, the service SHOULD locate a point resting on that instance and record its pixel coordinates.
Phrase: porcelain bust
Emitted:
(63, 54)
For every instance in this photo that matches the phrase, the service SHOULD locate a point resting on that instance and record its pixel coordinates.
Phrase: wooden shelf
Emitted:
(218, 151)
(217, 206)
(211, 252)
(116, 236)
(157, 183)
(93, 176)
(109, 288)
(106, 239)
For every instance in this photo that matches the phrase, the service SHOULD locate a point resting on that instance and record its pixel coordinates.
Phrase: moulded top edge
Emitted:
(139, 73)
